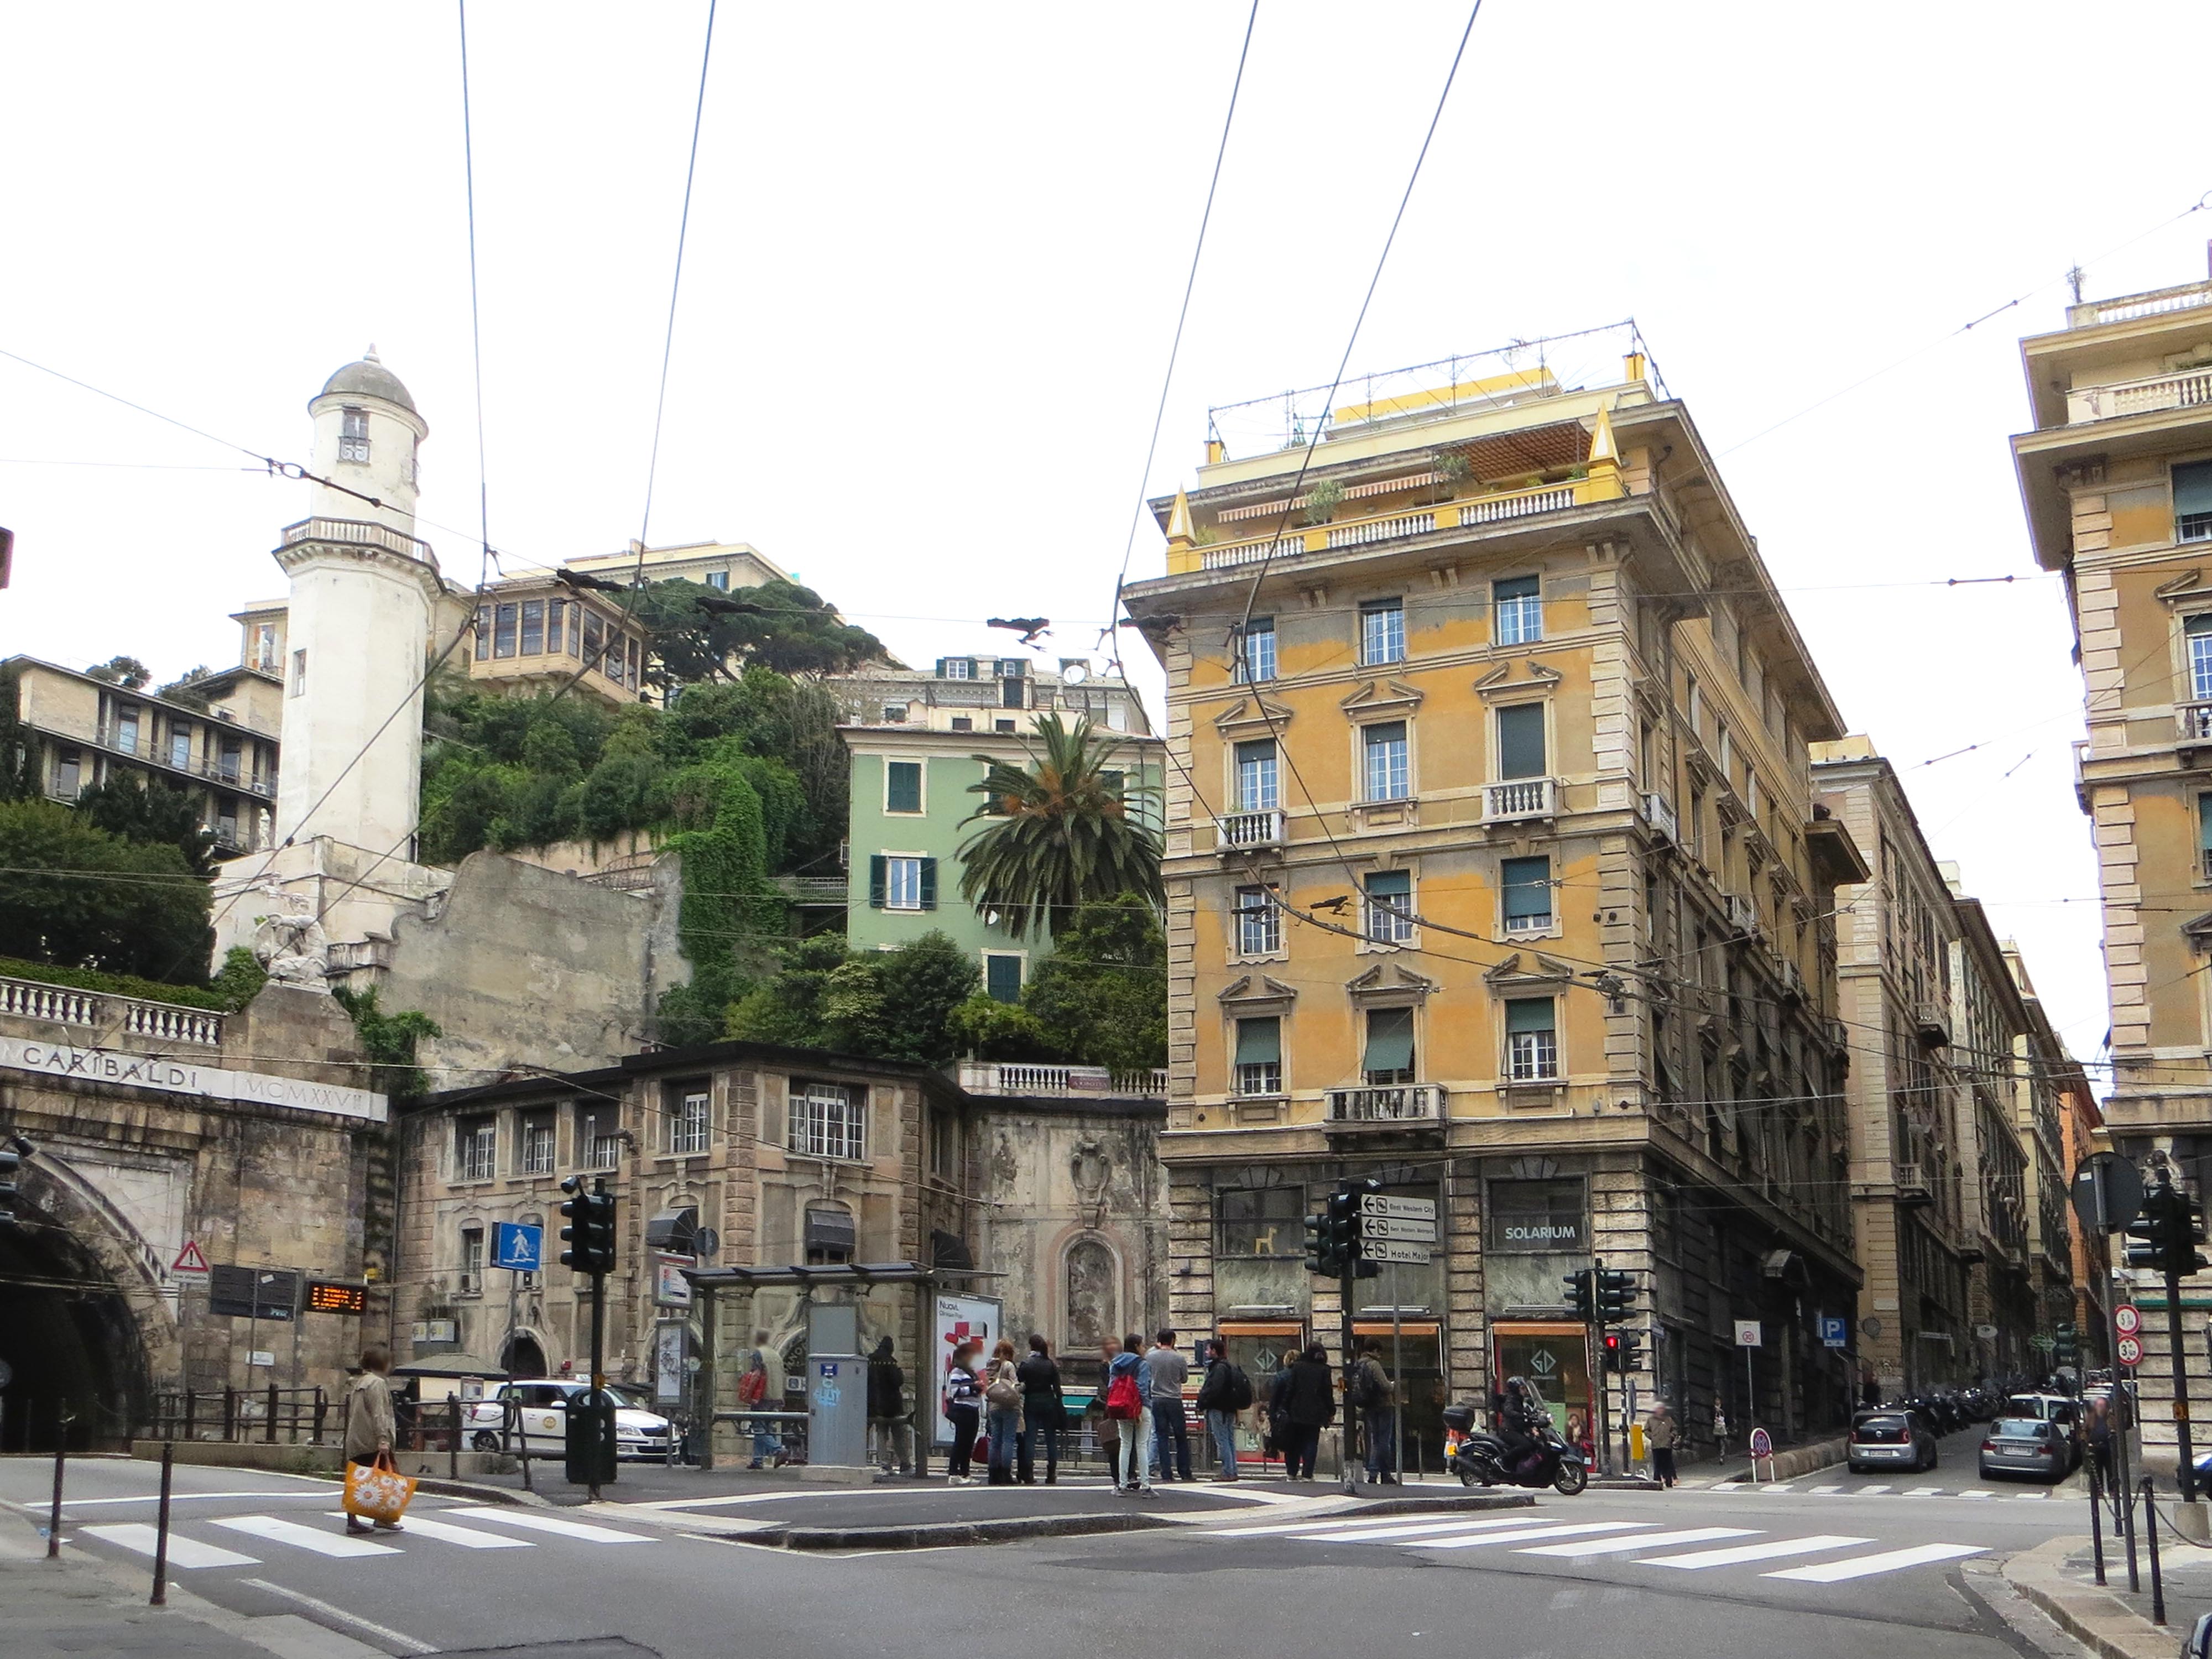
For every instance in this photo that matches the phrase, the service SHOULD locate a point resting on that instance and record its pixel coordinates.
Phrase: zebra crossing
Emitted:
(1837, 1489)
(486, 1528)
(1635, 1543)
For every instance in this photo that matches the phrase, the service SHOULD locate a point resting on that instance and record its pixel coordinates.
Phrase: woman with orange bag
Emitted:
(369, 1424)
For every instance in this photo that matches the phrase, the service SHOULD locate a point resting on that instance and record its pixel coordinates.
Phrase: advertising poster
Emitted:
(668, 1370)
(959, 1319)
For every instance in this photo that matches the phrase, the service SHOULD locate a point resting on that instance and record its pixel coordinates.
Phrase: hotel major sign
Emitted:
(183, 1076)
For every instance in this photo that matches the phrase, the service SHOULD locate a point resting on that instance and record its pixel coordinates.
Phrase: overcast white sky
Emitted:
(935, 258)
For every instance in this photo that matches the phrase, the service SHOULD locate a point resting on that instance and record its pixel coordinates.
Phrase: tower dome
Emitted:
(368, 378)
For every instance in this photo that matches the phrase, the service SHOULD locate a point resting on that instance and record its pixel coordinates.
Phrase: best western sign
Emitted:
(185, 1077)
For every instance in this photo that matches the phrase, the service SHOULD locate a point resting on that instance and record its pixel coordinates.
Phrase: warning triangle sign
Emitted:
(190, 1260)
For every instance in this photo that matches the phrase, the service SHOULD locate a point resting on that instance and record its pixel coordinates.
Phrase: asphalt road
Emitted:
(1722, 1573)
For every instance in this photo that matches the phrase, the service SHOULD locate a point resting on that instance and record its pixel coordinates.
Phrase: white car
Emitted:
(540, 1414)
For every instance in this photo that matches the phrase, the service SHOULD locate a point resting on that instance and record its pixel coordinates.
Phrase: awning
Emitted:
(829, 1229)
(1260, 1041)
(676, 1231)
(1390, 1040)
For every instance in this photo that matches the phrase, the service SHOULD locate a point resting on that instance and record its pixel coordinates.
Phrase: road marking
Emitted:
(531, 1520)
(1976, 1492)
(421, 1526)
(183, 1552)
(1771, 1486)
(382, 1632)
(1865, 1566)
(1522, 1537)
(1314, 1522)
(1623, 1546)
(1868, 1491)
(1740, 1553)
(1922, 1492)
(1413, 1529)
(1823, 1492)
(306, 1538)
(183, 1496)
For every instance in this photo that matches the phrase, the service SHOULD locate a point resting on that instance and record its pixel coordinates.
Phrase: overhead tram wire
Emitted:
(1112, 636)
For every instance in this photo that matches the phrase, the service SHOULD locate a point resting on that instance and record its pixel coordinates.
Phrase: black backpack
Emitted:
(1239, 1391)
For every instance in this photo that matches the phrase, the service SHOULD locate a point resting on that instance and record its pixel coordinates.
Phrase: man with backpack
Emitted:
(1225, 1392)
(1376, 1399)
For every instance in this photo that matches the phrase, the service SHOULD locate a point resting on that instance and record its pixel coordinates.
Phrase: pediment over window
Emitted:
(1252, 716)
(1502, 682)
(1532, 969)
(1380, 697)
(2198, 932)
(1257, 993)
(2185, 589)
(1389, 982)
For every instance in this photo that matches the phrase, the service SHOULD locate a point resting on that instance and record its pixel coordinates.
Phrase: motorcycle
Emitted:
(1480, 1458)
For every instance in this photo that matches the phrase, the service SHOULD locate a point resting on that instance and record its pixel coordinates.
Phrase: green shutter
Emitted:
(929, 884)
(2204, 824)
(1390, 884)
(1528, 886)
(875, 880)
(2192, 488)
(1521, 741)
(1002, 977)
(2201, 623)
(1390, 1040)
(1514, 587)
(902, 786)
(1260, 1041)
(1527, 1014)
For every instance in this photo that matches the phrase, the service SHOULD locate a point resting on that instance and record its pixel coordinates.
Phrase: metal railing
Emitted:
(1262, 829)
(1394, 1103)
(62, 1004)
(271, 1416)
(1523, 797)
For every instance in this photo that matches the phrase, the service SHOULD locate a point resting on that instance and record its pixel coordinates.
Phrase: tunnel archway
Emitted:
(70, 1341)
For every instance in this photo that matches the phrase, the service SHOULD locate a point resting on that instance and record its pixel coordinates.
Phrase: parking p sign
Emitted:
(1834, 1331)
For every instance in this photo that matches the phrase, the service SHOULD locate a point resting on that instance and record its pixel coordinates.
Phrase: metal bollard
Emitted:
(271, 1435)
(2151, 1537)
(61, 1456)
(2097, 1521)
(160, 1596)
(453, 1440)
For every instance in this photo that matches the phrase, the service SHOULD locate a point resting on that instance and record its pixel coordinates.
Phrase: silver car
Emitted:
(2027, 1445)
(1890, 1440)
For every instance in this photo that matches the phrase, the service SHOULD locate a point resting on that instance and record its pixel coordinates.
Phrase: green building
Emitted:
(918, 740)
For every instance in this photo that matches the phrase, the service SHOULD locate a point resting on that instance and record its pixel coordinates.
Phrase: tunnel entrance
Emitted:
(76, 1368)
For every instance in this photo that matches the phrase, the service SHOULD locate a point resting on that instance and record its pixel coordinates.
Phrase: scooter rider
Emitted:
(1522, 1417)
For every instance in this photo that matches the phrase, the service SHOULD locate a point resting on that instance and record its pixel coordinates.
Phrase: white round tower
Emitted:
(357, 633)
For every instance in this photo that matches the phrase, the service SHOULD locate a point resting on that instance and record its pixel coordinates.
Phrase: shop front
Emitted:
(1554, 1357)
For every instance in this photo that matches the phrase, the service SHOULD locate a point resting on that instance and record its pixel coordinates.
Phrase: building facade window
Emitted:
(956, 668)
(718, 580)
(537, 1146)
(264, 646)
(1381, 632)
(556, 612)
(829, 1120)
(595, 641)
(1389, 1057)
(1532, 1040)
(504, 620)
(483, 633)
(1002, 975)
(353, 434)
(473, 1261)
(1261, 1221)
(1386, 766)
(599, 1135)
(1517, 607)
(1520, 745)
(901, 882)
(2193, 502)
(1002, 726)
(534, 628)
(1259, 786)
(894, 713)
(689, 1112)
(1256, 662)
(1259, 1055)
(1389, 896)
(830, 1240)
(902, 786)
(1525, 887)
(944, 1146)
(180, 747)
(963, 722)
(2196, 636)
(477, 1149)
(126, 729)
(1260, 924)
(2204, 836)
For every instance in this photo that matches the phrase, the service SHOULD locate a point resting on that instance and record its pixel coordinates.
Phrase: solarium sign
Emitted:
(180, 1077)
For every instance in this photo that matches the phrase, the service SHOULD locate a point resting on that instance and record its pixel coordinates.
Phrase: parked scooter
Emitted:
(1479, 1458)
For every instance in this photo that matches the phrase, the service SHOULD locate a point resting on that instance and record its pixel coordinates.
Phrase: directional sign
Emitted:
(1415, 1255)
(192, 1263)
(2127, 1319)
(2128, 1351)
(518, 1248)
(1400, 1209)
(1372, 1227)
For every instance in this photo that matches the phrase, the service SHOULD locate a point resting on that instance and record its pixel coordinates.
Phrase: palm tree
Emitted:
(1057, 834)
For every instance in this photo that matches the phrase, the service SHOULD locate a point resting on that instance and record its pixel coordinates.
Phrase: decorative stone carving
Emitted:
(1090, 1299)
(294, 951)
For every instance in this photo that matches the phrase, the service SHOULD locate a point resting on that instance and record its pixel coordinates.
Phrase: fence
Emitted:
(272, 1416)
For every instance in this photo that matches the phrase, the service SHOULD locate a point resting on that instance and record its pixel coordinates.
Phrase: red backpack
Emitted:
(1121, 1402)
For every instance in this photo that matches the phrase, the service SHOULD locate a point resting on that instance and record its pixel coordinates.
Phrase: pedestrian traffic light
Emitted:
(590, 1234)
(1579, 1296)
(1615, 1290)
(12, 1155)
(1321, 1253)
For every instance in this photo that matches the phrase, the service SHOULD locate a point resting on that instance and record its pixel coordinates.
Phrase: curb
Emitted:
(2098, 1620)
(937, 1534)
(439, 1488)
(1436, 1504)
(1795, 1462)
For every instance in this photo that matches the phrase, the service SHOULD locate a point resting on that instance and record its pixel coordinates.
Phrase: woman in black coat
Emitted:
(1308, 1396)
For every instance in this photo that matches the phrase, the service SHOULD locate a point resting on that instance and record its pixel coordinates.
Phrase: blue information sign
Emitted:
(1835, 1333)
(517, 1248)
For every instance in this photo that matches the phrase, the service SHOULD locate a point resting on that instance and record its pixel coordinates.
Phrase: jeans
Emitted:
(1136, 1451)
(1040, 1427)
(766, 1444)
(1171, 1431)
(1224, 1425)
(1382, 1437)
(1005, 1426)
(1301, 1444)
(963, 1419)
(890, 1443)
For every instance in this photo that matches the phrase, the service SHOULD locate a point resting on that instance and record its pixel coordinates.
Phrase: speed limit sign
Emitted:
(2129, 1349)
(2127, 1319)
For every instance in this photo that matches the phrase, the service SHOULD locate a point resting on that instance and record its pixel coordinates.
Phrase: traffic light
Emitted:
(590, 1234)
(11, 1161)
(1321, 1253)
(2165, 1237)
(2188, 1234)
(1615, 1290)
(2066, 1344)
(1579, 1296)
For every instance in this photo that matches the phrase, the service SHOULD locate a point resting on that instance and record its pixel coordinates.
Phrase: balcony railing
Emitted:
(2127, 307)
(1380, 529)
(61, 1004)
(1385, 526)
(1912, 1184)
(1496, 509)
(1392, 1102)
(1523, 797)
(2190, 389)
(983, 1077)
(140, 748)
(2193, 721)
(1245, 829)
(1661, 817)
(359, 533)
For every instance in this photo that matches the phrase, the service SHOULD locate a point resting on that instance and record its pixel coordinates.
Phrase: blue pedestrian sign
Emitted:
(1835, 1332)
(517, 1248)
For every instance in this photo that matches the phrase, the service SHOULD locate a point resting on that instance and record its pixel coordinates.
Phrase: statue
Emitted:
(294, 949)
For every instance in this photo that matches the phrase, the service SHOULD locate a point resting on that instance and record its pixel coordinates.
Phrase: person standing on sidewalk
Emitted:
(369, 1426)
(1106, 1431)
(964, 1404)
(1719, 1427)
(1376, 1399)
(1224, 1393)
(1129, 1387)
(1044, 1413)
(892, 1435)
(1170, 1429)
(1659, 1434)
(1309, 1406)
(1002, 1401)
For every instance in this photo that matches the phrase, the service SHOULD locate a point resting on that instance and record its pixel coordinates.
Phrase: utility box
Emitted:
(837, 1410)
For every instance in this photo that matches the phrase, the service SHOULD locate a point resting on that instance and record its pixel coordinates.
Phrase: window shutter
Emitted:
(1260, 1041)
(2192, 487)
(1514, 587)
(902, 786)
(928, 883)
(1526, 1015)
(1002, 977)
(1527, 884)
(1521, 741)
(2204, 824)
(877, 864)
(940, 668)
(1389, 885)
(1390, 1040)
